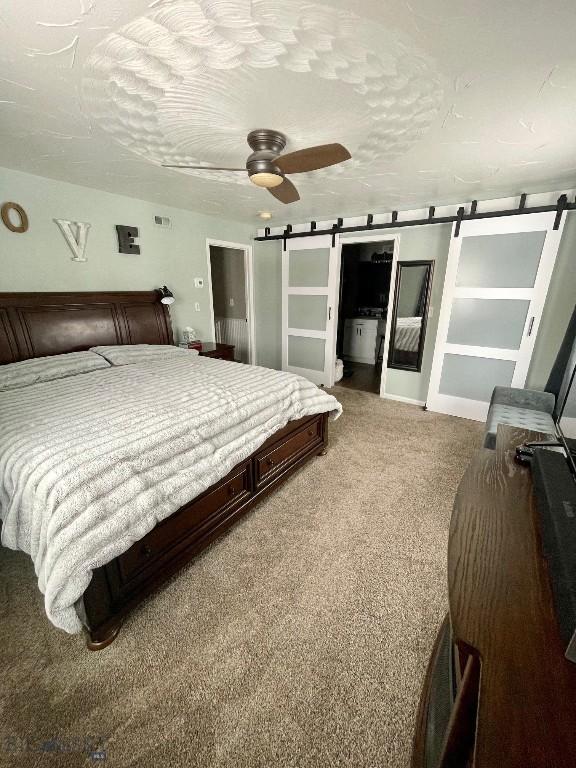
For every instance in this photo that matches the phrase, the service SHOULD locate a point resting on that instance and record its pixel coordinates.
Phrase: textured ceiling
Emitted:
(437, 101)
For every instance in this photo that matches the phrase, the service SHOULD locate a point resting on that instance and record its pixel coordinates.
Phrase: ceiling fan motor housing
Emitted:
(266, 145)
(266, 139)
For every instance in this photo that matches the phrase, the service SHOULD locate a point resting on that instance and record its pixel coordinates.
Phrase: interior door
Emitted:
(497, 278)
(309, 275)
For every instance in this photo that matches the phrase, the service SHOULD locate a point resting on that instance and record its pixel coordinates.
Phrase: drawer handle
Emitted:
(231, 490)
(270, 462)
(146, 550)
(310, 433)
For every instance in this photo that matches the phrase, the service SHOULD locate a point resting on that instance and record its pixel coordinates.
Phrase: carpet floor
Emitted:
(300, 638)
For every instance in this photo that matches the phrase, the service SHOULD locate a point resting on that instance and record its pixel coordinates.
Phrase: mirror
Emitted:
(411, 300)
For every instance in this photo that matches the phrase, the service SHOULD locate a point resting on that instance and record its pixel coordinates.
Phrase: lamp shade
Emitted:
(266, 180)
(166, 295)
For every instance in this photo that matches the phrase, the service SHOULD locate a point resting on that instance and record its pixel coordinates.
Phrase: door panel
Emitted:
(309, 273)
(474, 377)
(497, 278)
(307, 312)
(308, 267)
(306, 352)
(502, 260)
(488, 322)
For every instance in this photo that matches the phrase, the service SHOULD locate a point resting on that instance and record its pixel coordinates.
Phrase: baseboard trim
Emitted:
(402, 399)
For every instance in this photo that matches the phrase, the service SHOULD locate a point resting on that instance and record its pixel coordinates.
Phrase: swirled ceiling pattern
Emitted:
(439, 103)
(186, 82)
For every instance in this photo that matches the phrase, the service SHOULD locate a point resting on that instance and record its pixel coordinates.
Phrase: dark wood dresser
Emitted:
(508, 699)
(217, 350)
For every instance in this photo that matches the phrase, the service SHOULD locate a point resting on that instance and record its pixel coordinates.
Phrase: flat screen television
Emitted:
(563, 377)
(554, 479)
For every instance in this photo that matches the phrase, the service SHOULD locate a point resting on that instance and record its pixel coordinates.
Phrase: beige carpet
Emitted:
(299, 639)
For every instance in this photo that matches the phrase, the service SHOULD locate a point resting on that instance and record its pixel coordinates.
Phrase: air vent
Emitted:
(162, 221)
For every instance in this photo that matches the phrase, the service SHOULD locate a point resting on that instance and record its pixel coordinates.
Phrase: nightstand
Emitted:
(219, 351)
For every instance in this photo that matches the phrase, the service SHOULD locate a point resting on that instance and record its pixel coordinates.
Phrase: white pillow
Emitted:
(126, 354)
(26, 372)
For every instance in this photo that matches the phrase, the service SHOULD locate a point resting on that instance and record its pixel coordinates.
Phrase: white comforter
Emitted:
(89, 464)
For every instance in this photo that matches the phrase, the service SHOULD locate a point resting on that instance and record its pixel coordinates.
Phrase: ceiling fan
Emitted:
(267, 167)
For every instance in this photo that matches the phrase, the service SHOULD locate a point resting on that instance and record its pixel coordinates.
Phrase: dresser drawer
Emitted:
(279, 457)
(176, 531)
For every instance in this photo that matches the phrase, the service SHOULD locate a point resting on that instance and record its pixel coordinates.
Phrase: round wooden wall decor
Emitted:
(5, 213)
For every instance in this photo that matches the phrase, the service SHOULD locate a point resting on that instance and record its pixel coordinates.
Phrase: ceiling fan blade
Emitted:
(285, 192)
(204, 167)
(313, 158)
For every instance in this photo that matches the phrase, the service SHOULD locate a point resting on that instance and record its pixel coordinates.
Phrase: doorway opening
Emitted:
(231, 297)
(365, 274)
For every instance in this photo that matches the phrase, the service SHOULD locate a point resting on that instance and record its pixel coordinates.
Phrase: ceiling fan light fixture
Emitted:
(266, 180)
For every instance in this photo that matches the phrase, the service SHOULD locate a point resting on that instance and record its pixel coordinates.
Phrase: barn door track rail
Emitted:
(461, 215)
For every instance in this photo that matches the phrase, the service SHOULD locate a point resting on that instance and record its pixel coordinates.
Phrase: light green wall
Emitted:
(39, 260)
(415, 244)
(427, 242)
(421, 244)
(228, 282)
(558, 308)
(432, 242)
(268, 302)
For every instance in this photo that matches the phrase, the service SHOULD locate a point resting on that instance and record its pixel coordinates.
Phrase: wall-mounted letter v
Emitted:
(76, 234)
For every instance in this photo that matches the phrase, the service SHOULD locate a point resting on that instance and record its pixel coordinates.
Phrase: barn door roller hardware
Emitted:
(335, 229)
(287, 233)
(561, 206)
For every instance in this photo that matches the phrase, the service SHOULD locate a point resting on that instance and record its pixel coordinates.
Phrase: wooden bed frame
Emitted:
(39, 324)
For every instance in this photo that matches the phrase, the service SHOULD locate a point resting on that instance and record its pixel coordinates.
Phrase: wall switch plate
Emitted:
(197, 306)
(198, 282)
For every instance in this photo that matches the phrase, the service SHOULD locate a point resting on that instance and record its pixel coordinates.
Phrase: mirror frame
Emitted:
(428, 290)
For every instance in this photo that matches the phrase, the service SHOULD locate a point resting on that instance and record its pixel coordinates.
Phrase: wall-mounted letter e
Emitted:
(126, 237)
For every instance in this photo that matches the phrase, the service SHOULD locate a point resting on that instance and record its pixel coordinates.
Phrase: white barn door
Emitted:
(309, 282)
(497, 278)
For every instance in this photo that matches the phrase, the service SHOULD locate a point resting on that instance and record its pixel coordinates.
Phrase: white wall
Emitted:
(39, 260)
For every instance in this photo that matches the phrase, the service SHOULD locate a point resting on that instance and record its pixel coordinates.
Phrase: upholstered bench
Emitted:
(526, 408)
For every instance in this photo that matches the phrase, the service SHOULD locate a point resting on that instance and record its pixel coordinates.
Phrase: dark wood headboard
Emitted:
(38, 324)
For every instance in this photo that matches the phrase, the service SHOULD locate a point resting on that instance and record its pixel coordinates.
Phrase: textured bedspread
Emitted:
(89, 464)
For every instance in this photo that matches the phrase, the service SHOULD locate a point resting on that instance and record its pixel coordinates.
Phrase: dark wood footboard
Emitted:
(128, 579)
